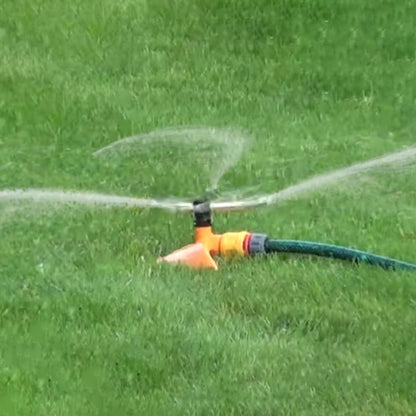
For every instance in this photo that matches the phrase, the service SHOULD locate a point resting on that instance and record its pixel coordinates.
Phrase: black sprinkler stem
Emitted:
(202, 213)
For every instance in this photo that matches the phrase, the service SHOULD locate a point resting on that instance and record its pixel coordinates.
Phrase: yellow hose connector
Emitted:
(233, 244)
(227, 244)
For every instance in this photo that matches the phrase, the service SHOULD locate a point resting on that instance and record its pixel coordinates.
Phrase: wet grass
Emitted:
(90, 324)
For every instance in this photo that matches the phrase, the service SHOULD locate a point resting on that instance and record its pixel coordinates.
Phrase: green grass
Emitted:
(90, 324)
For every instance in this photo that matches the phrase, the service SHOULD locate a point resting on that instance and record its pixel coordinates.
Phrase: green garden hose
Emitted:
(335, 252)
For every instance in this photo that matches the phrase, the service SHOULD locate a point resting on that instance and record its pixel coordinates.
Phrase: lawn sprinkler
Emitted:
(208, 245)
(225, 146)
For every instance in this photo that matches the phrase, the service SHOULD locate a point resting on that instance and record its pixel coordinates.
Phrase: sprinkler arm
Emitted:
(207, 245)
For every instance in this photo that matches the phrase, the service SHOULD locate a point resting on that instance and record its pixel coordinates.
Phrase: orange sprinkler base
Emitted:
(200, 255)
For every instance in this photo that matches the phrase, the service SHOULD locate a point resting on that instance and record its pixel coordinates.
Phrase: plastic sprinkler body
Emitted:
(207, 244)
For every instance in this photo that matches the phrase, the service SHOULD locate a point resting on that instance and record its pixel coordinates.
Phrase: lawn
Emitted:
(90, 323)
